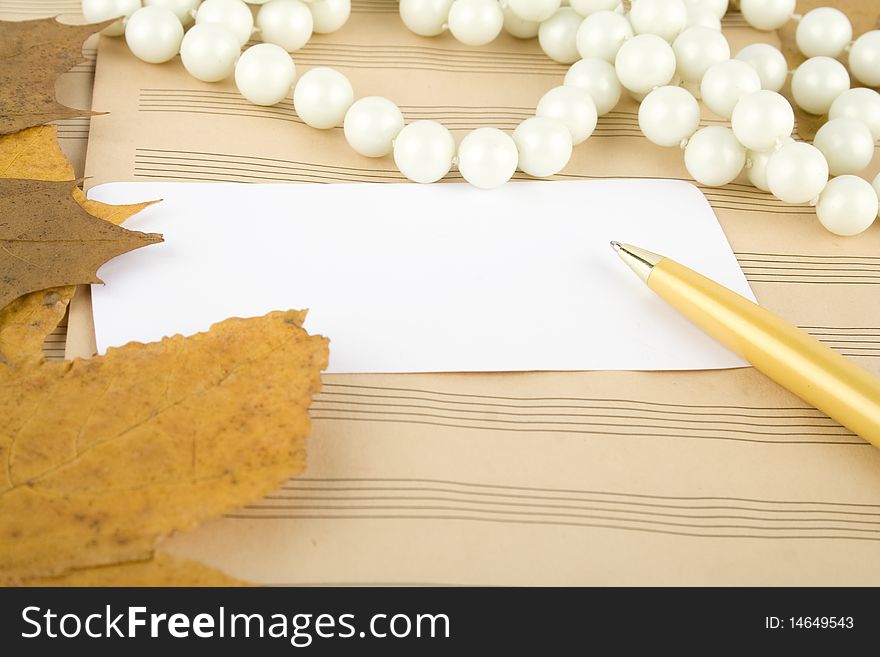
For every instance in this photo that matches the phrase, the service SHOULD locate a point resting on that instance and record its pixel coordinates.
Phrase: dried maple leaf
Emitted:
(117, 437)
(161, 570)
(47, 239)
(105, 456)
(32, 56)
(25, 323)
(34, 154)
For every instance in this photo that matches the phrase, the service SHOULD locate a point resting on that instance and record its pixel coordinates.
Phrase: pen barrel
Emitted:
(789, 356)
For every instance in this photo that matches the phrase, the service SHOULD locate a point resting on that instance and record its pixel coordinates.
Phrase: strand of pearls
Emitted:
(664, 53)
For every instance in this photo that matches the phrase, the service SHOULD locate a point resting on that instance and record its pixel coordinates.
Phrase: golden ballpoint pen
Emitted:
(792, 358)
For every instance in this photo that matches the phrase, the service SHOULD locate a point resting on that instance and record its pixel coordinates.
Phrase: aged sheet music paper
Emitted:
(594, 478)
(552, 478)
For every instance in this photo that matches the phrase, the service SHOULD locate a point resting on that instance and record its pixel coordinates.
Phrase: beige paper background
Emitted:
(537, 478)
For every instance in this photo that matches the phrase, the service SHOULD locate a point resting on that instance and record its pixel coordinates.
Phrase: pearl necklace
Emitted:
(664, 53)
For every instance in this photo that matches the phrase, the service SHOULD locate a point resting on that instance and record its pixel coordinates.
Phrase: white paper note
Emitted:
(411, 278)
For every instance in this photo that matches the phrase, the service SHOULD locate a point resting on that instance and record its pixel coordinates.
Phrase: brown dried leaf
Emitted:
(32, 56)
(48, 240)
(161, 570)
(34, 154)
(103, 457)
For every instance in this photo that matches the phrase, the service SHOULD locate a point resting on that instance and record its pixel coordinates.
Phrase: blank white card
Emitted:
(412, 278)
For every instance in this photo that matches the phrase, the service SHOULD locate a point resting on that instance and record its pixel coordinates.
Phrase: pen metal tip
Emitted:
(615, 246)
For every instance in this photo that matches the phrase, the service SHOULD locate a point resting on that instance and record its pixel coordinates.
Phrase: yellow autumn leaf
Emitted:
(161, 570)
(34, 154)
(105, 456)
(25, 323)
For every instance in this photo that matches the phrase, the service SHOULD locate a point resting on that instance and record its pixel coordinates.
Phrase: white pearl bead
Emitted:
(762, 119)
(544, 146)
(558, 35)
(233, 14)
(423, 151)
(767, 14)
(183, 9)
(861, 104)
(725, 83)
(371, 124)
(864, 59)
(817, 83)
(669, 115)
(286, 23)
(797, 173)
(848, 206)
(209, 52)
(322, 97)
(700, 15)
(475, 22)
(96, 11)
(876, 185)
(644, 62)
(487, 158)
(519, 27)
(756, 169)
(716, 7)
(665, 18)
(265, 73)
(768, 62)
(713, 156)
(823, 31)
(574, 107)
(756, 166)
(329, 15)
(153, 34)
(597, 78)
(425, 17)
(847, 144)
(602, 34)
(696, 49)
(590, 7)
(534, 10)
